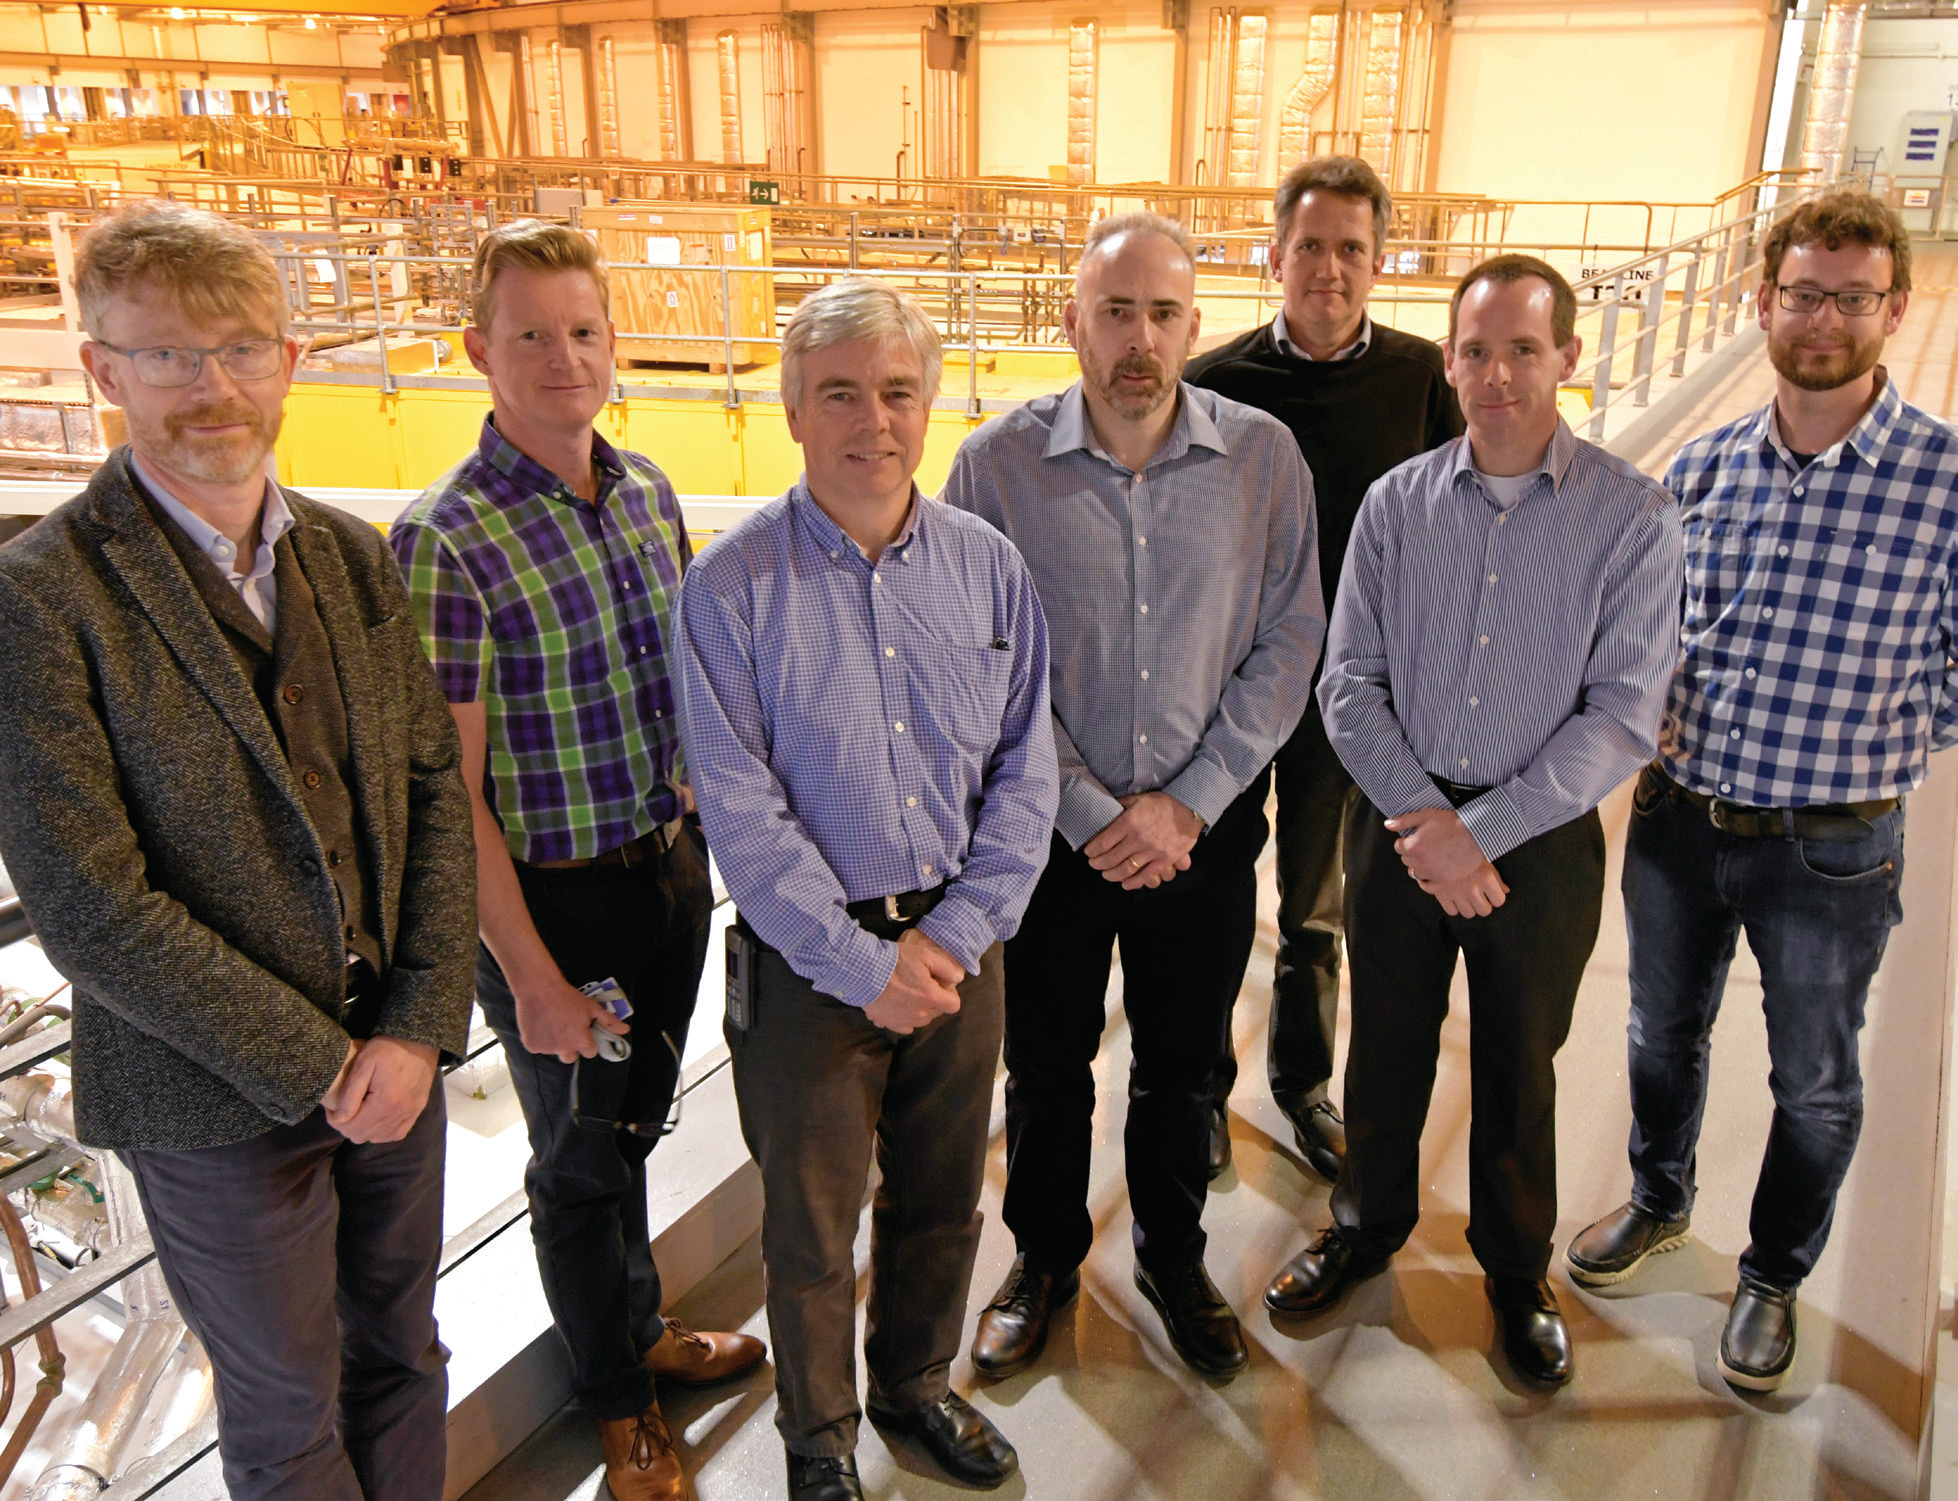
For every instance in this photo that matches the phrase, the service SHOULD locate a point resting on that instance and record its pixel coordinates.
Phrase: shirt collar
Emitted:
(1866, 439)
(532, 477)
(1282, 336)
(273, 523)
(1556, 458)
(833, 539)
(1194, 427)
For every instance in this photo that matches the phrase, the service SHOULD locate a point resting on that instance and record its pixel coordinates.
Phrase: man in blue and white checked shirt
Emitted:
(1820, 614)
(866, 717)
(1172, 534)
(1506, 625)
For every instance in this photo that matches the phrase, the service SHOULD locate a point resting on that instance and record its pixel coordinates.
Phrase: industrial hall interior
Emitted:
(743, 170)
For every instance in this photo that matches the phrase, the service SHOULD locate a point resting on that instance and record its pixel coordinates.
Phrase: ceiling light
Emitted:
(176, 13)
(311, 24)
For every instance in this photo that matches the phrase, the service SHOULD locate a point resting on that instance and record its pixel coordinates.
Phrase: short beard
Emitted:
(1851, 364)
(1133, 406)
(229, 462)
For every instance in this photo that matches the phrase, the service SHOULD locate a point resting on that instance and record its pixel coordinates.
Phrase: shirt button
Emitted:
(877, 578)
(311, 867)
(1870, 549)
(1750, 672)
(898, 725)
(1475, 703)
(1141, 541)
(925, 868)
(1485, 640)
(1145, 609)
(332, 857)
(642, 651)
(1465, 763)
(1767, 613)
(1500, 519)
(1782, 551)
(1142, 739)
(657, 713)
(1726, 786)
(1733, 734)
(311, 779)
(890, 651)
(1145, 674)
(832, 557)
(294, 692)
(910, 802)
(1492, 578)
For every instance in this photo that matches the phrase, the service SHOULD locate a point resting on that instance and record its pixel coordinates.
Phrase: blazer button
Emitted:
(311, 779)
(293, 693)
(352, 932)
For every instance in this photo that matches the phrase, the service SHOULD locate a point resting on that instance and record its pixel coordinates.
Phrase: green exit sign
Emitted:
(764, 192)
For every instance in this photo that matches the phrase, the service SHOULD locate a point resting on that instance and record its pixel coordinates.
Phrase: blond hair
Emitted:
(851, 308)
(208, 267)
(532, 245)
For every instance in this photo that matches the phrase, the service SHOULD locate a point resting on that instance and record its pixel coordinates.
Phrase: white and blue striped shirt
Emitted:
(1821, 608)
(1526, 650)
(859, 730)
(1184, 599)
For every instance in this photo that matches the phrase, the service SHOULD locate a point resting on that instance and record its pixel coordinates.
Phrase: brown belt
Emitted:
(1838, 823)
(635, 852)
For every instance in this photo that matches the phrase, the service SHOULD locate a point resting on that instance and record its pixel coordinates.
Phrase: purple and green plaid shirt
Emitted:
(553, 611)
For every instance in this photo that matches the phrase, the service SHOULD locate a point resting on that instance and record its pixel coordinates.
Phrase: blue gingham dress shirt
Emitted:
(860, 730)
(1184, 600)
(1820, 610)
(1526, 650)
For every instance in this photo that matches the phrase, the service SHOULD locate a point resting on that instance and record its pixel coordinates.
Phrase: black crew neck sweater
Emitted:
(1353, 419)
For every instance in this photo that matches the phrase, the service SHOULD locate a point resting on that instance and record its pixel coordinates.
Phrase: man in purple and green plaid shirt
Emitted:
(543, 570)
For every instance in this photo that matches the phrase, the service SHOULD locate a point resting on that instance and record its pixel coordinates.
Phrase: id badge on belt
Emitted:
(741, 957)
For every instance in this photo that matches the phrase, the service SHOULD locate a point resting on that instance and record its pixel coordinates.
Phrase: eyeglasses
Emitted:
(634, 1128)
(172, 365)
(1857, 304)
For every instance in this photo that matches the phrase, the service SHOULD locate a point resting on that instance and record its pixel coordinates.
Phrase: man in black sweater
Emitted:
(1360, 398)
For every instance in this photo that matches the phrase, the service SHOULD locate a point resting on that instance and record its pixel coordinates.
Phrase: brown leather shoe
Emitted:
(689, 1359)
(640, 1464)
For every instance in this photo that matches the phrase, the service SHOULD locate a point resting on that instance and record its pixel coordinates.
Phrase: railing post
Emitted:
(972, 345)
(1648, 335)
(1686, 297)
(1607, 350)
(380, 320)
(853, 239)
(727, 331)
(1714, 292)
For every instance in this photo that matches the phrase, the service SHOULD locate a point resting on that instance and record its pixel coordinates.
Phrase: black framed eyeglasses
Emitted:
(636, 1128)
(175, 365)
(1859, 303)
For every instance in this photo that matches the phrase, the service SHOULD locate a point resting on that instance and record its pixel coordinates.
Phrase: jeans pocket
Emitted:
(1850, 862)
(1649, 792)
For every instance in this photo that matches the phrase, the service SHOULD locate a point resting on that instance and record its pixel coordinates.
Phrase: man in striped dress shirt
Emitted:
(1172, 535)
(1506, 624)
(865, 674)
(1822, 534)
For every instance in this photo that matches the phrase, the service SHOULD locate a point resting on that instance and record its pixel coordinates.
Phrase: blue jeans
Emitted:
(1817, 915)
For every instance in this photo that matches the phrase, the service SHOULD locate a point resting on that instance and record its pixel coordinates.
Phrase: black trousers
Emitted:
(1314, 793)
(1524, 962)
(820, 1087)
(305, 1263)
(645, 926)
(1184, 948)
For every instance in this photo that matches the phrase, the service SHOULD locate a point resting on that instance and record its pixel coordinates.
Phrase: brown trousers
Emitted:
(820, 1087)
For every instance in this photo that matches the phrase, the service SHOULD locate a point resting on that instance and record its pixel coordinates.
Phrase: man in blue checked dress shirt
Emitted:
(867, 721)
(1172, 535)
(1820, 616)
(543, 569)
(1506, 624)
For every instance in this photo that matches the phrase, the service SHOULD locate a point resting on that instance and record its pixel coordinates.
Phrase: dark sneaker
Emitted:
(1758, 1345)
(1609, 1251)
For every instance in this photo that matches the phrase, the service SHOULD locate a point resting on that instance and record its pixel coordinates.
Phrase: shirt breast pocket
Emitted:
(1874, 586)
(963, 687)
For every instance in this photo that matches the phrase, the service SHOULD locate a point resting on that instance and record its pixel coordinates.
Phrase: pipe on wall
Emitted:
(1379, 101)
(608, 99)
(1832, 91)
(670, 84)
(1247, 102)
(727, 49)
(554, 76)
(1083, 58)
(1295, 119)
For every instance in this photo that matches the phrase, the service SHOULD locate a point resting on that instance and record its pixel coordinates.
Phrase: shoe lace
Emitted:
(651, 1439)
(682, 1335)
(1022, 1293)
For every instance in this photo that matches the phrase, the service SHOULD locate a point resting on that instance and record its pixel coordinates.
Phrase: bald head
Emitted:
(1120, 235)
(1133, 317)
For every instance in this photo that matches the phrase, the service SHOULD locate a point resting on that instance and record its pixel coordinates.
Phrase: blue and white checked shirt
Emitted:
(1184, 600)
(857, 731)
(1820, 610)
(1524, 650)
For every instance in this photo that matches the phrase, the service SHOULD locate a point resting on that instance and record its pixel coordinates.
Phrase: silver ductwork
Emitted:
(1295, 119)
(727, 50)
(608, 98)
(1247, 111)
(1380, 101)
(554, 85)
(1083, 76)
(670, 84)
(1832, 89)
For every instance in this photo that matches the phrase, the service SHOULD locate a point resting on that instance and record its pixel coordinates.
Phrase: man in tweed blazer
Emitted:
(229, 797)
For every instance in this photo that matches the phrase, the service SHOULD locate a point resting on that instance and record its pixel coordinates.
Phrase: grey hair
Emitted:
(851, 308)
(1138, 222)
(1346, 176)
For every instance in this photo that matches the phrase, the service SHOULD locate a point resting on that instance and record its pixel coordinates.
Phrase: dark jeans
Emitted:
(1817, 915)
(820, 1086)
(306, 1265)
(1314, 792)
(1184, 948)
(1524, 962)
(647, 927)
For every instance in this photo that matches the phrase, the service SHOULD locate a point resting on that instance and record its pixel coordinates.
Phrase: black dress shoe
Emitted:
(1013, 1327)
(1199, 1322)
(824, 1479)
(966, 1445)
(1220, 1139)
(1533, 1332)
(1321, 1138)
(1610, 1250)
(1317, 1276)
(1758, 1345)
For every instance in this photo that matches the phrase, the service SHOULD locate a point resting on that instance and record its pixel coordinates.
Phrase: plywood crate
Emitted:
(655, 300)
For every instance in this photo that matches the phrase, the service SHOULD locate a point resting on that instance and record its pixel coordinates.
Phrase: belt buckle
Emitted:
(890, 909)
(1714, 815)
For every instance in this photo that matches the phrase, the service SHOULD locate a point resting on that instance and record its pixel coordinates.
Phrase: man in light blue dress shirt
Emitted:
(866, 720)
(1172, 535)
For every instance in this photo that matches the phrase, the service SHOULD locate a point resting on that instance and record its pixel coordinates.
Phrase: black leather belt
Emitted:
(633, 852)
(881, 917)
(1832, 823)
(1460, 792)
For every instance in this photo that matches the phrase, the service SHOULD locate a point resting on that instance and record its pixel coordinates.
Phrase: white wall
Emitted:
(1906, 65)
(865, 60)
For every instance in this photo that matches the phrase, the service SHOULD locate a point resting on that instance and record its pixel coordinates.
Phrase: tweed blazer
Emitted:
(154, 829)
